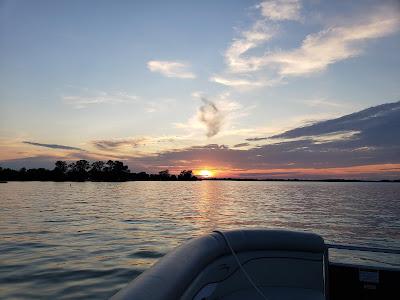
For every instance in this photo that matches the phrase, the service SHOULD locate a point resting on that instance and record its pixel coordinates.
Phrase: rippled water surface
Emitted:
(87, 240)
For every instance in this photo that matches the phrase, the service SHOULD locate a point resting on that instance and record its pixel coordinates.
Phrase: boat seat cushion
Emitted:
(276, 293)
(172, 275)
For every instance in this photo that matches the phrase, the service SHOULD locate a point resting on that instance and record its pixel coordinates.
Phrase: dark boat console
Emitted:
(362, 282)
(353, 281)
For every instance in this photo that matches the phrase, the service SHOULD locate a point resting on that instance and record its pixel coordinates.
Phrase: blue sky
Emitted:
(144, 78)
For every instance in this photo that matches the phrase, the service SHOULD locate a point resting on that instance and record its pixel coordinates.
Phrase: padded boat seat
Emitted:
(188, 271)
(277, 293)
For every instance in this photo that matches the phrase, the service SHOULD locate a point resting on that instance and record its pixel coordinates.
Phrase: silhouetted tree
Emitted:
(97, 166)
(78, 171)
(82, 170)
(164, 175)
(186, 175)
(109, 166)
(140, 176)
(61, 166)
(9, 174)
(60, 170)
(96, 172)
(119, 171)
(40, 174)
(119, 167)
(82, 166)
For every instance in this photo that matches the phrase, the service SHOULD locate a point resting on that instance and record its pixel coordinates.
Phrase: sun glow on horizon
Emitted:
(205, 173)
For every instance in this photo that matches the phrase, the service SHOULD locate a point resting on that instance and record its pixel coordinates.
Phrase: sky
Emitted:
(202, 85)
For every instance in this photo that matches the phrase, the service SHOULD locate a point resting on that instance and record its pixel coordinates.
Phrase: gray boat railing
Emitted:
(363, 248)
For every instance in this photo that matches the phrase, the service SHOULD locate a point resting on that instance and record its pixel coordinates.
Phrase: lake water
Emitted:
(87, 240)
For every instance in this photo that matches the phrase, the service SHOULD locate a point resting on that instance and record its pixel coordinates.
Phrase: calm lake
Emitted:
(87, 240)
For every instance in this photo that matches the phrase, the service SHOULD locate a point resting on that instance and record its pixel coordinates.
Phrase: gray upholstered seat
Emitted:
(277, 293)
(280, 262)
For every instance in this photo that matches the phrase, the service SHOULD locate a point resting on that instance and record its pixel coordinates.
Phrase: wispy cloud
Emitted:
(256, 139)
(247, 68)
(141, 145)
(175, 69)
(321, 102)
(279, 10)
(241, 145)
(161, 104)
(88, 97)
(243, 83)
(333, 44)
(52, 146)
(112, 144)
(253, 38)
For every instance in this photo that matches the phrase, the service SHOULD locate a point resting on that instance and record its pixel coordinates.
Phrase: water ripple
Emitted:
(87, 240)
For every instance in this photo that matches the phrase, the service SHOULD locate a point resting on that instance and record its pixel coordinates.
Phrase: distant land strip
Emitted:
(83, 170)
(116, 171)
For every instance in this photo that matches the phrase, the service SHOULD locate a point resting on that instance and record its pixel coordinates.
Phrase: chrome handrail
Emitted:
(363, 248)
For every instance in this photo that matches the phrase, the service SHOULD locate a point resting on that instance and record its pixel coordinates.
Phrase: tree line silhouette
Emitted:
(83, 170)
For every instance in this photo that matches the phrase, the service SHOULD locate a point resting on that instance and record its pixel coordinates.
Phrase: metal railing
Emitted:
(363, 248)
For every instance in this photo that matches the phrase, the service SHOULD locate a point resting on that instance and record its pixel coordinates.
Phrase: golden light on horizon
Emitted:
(205, 173)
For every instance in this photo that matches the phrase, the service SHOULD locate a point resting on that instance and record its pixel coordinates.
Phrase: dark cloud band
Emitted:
(53, 146)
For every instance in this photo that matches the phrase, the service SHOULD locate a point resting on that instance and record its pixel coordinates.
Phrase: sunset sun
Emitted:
(205, 173)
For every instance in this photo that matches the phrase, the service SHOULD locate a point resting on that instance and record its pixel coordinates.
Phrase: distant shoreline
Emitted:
(300, 180)
(216, 179)
(116, 171)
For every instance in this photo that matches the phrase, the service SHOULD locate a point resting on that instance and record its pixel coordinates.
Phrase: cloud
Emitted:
(255, 37)
(89, 97)
(280, 10)
(360, 142)
(40, 161)
(142, 145)
(320, 102)
(331, 45)
(211, 117)
(53, 146)
(301, 157)
(242, 83)
(241, 145)
(374, 124)
(251, 64)
(237, 64)
(256, 139)
(113, 144)
(171, 69)
(161, 104)
(214, 114)
(364, 144)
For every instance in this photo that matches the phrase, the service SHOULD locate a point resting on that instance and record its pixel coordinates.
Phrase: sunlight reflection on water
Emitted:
(89, 239)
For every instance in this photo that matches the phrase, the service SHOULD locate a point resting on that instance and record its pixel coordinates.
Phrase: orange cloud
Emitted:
(337, 172)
